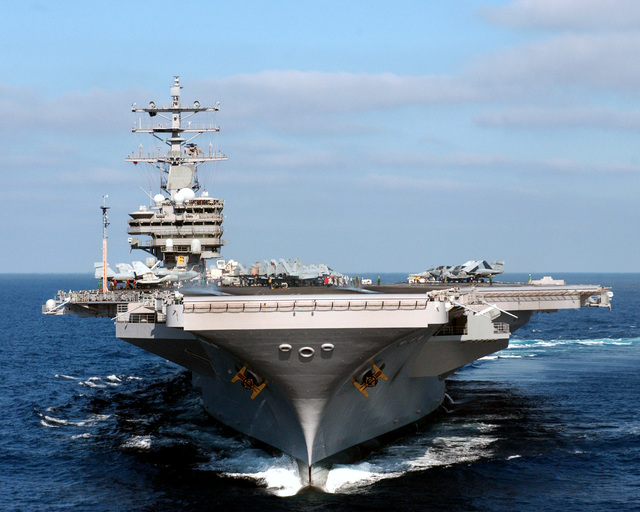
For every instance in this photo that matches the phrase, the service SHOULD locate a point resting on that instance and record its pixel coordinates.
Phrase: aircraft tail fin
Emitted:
(141, 269)
(98, 274)
(286, 265)
(123, 268)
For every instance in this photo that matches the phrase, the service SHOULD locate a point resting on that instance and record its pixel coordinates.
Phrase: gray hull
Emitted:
(311, 415)
(307, 396)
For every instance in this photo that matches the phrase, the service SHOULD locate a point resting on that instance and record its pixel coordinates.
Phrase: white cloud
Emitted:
(97, 176)
(94, 111)
(415, 184)
(569, 166)
(568, 14)
(323, 104)
(278, 93)
(543, 117)
(602, 62)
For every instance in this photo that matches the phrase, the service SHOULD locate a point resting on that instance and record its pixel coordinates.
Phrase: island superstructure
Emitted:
(313, 371)
(184, 230)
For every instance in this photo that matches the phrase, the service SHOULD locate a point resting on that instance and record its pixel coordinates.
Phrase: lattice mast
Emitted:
(183, 158)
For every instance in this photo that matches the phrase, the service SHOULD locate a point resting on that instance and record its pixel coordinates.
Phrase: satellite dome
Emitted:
(50, 305)
(158, 199)
(187, 193)
(184, 194)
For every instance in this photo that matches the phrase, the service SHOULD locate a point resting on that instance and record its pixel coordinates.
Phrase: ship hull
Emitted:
(317, 376)
(314, 418)
(309, 413)
(307, 396)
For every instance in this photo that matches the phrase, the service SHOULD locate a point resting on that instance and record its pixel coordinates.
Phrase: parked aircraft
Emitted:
(272, 272)
(156, 275)
(125, 272)
(144, 275)
(482, 269)
(472, 270)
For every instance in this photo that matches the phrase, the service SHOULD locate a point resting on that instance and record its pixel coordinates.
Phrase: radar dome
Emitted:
(184, 194)
(50, 305)
(187, 193)
(158, 199)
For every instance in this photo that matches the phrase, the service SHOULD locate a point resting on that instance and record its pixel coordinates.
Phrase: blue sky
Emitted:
(373, 136)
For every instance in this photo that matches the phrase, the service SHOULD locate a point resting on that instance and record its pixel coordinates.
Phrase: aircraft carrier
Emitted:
(313, 371)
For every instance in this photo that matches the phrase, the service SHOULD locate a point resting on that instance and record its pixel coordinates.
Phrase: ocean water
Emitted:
(90, 423)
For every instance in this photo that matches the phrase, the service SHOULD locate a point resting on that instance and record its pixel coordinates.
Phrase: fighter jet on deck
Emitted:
(125, 272)
(472, 270)
(144, 275)
(274, 272)
(156, 275)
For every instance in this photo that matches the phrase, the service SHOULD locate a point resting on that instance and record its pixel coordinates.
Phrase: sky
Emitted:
(372, 136)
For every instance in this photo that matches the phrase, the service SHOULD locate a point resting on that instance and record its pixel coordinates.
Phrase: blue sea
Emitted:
(90, 423)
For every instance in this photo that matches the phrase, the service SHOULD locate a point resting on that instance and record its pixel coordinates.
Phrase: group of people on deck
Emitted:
(115, 285)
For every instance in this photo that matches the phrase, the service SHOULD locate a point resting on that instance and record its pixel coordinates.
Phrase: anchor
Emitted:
(249, 382)
(369, 380)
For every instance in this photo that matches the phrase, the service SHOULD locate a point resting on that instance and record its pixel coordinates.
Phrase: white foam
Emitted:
(515, 344)
(280, 481)
(138, 443)
(452, 450)
(279, 475)
(348, 478)
(86, 435)
(91, 383)
(90, 422)
(444, 451)
(68, 377)
(100, 417)
(546, 343)
(57, 421)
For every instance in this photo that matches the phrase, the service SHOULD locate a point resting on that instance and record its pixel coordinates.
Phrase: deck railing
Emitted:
(305, 305)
